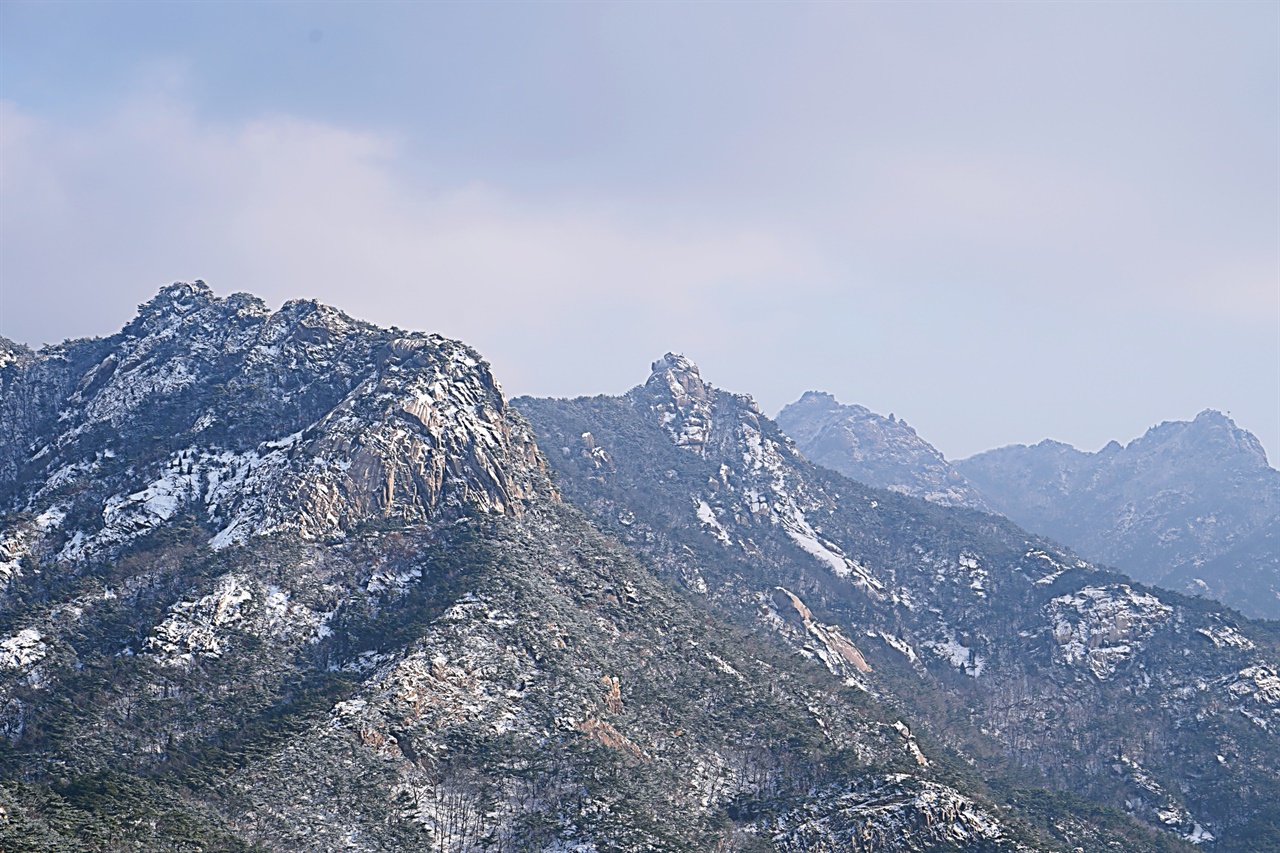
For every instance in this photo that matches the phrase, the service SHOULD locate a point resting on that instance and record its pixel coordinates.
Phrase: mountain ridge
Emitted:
(1189, 505)
(926, 607)
(288, 581)
(1185, 505)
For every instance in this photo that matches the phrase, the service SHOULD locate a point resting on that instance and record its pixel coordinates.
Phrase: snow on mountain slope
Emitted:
(288, 581)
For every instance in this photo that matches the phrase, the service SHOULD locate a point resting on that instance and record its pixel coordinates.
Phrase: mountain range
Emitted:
(1191, 505)
(291, 581)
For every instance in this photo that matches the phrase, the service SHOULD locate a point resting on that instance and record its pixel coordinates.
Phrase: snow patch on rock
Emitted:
(1225, 636)
(707, 516)
(198, 628)
(1256, 689)
(1100, 627)
(23, 650)
(958, 655)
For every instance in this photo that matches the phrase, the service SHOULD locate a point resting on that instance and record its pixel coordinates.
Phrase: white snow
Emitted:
(51, 518)
(1056, 568)
(13, 547)
(1257, 690)
(23, 650)
(191, 628)
(724, 666)
(1199, 835)
(707, 516)
(1224, 636)
(958, 655)
(397, 582)
(803, 534)
(972, 565)
(898, 644)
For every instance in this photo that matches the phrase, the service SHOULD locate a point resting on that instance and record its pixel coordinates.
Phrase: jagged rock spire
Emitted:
(682, 400)
(680, 377)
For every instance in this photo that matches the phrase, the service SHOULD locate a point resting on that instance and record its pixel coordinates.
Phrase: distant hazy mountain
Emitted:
(1191, 505)
(873, 449)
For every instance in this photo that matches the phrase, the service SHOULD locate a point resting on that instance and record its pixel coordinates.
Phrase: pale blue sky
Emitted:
(1001, 221)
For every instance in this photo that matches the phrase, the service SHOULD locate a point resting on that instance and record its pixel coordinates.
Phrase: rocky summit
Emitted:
(284, 580)
(874, 449)
(301, 420)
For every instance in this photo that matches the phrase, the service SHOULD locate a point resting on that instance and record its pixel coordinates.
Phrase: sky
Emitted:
(1002, 222)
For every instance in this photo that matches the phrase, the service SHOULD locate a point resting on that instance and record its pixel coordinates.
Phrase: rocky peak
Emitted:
(758, 484)
(881, 451)
(819, 401)
(181, 296)
(807, 415)
(678, 376)
(1213, 416)
(679, 397)
(1211, 433)
(303, 419)
(172, 303)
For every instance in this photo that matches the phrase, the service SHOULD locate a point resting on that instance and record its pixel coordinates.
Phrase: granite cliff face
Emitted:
(1191, 505)
(879, 451)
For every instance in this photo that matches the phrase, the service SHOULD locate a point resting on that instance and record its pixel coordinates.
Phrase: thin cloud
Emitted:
(290, 208)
